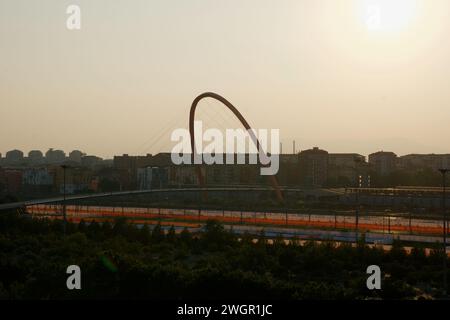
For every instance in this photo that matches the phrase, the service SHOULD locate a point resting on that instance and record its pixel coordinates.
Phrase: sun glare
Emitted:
(388, 15)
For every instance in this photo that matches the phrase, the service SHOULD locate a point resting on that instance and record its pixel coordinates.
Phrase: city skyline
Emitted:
(134, 68)
(284, 152)
(76, 153)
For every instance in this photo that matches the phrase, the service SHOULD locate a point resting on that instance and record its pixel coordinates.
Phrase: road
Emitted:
(409, 229)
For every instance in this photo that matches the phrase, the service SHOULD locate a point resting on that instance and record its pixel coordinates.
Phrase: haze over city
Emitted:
(317, 70)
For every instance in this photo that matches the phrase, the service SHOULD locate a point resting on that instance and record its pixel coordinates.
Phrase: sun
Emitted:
(388, 15)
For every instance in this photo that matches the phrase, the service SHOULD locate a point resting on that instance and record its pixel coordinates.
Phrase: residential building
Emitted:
(432, 161)
(382, 162)
(55, 156)
(313, 167)
(14, 157)
(345, 169)
(75, 156)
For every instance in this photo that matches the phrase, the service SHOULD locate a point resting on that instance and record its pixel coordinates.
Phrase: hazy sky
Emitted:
(319, 70)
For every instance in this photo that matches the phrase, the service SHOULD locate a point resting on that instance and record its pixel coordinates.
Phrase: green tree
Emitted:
(171, 236)
(185, 236)
(157, 233)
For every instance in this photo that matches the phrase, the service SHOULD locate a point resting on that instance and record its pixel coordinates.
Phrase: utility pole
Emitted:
(357, 207)
(286, 212)
(64, 167)
(410, 213)
(444, 220)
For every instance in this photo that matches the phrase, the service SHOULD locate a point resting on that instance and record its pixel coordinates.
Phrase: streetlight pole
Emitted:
(357, 208)
(444, 234)
(64, 167)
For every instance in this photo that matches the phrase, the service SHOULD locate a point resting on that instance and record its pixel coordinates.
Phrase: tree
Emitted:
(247, 238)
(215, 236)
(94, 230)
(107, 228)
(279, 241)
(120, 227)
(262, 240)
(144, 234)
(157, 233)
(185, 236)
(171, 234)
(82, 226)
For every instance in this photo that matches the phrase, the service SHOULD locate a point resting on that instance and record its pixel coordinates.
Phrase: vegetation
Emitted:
(120, 260)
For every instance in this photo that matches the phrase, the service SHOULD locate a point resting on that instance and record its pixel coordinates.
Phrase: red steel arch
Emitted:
(273, 179)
